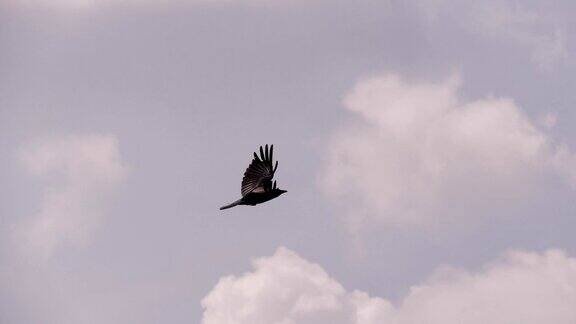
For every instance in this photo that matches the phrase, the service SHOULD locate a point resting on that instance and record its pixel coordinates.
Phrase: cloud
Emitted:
(543, 36)
(545, 39)
(80, 173)
(285, 288)
(412, 148)
(522, 287)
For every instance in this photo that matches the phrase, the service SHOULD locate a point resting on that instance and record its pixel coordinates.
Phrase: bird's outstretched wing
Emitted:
(258, 176)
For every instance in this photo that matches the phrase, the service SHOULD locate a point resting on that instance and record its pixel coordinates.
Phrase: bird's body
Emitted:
(257, 185)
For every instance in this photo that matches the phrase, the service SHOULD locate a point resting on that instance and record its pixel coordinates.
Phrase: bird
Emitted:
(257, 185)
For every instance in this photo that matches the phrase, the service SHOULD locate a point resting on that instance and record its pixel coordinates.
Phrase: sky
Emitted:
(427, 148)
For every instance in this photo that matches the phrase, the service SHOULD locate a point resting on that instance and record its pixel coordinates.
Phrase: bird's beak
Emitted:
(284, 191)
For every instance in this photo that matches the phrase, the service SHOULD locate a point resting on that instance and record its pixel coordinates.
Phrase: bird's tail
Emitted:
(237, 202)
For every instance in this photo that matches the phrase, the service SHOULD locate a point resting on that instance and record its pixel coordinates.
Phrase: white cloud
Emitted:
(522, 287)
(81, 172)
(418, 146)
(287, 289)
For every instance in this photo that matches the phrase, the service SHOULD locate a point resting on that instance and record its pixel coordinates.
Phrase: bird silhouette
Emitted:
(257, 185)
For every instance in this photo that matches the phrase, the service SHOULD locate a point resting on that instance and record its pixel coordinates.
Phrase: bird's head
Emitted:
(277, 192)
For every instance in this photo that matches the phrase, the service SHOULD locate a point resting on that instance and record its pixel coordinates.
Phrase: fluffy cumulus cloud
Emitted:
(287, 289)
(521, 287)
(79, 174)
(413, 147)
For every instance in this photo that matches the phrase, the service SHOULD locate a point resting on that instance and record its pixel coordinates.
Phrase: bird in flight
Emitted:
(257, 185)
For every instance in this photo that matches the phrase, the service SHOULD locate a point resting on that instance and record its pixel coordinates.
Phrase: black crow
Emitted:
(257, 185)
